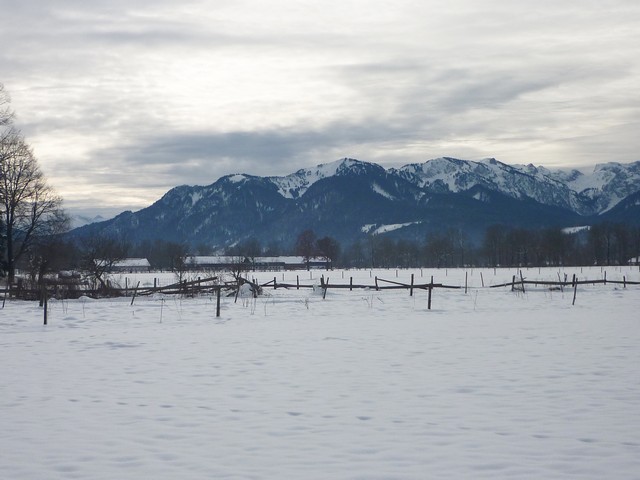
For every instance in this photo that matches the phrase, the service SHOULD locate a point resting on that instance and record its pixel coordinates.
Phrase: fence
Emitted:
(379, 284)
(66, 289)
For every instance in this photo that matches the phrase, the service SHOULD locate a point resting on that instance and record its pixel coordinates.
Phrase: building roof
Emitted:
(229, 260)
(132, 262)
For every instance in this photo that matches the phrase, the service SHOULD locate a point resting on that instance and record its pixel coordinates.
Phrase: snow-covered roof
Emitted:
(132, 262)
(214, 259)
(230, 259)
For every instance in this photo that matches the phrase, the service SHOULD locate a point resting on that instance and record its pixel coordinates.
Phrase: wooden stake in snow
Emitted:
(218, 301)
(430, 289)
(44, 296)
(575, 291)
(411, 289)
(135, 292)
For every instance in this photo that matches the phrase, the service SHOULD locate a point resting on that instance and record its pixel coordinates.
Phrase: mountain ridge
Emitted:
(343, 197)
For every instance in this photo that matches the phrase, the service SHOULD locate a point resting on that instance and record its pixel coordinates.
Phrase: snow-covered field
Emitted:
(361, 385)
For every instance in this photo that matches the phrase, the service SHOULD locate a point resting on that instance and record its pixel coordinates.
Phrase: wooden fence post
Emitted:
(135, 292)
(218, 301)
(575, 291)
(44, 296)
(350, 284)
(430, 289)
(377, 288)
(326, 287)
(411, 289)
(297, 282)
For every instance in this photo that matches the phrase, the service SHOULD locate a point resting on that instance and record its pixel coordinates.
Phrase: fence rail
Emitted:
(568, 283)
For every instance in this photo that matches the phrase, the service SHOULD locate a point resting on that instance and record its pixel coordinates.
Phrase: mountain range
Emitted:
(350, 199)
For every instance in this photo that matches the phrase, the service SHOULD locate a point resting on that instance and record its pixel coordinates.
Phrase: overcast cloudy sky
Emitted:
(124, 99)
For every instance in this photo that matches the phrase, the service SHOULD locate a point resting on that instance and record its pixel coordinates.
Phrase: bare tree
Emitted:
(329, 249)
(178, 258)
(29, 206)
(5, 111)
(306, 245)
(100, 255)
(49, 251)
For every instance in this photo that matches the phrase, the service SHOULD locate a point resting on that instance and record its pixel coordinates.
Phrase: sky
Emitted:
(122, 100)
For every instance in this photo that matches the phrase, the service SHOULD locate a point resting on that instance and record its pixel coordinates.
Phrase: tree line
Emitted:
(600, 244)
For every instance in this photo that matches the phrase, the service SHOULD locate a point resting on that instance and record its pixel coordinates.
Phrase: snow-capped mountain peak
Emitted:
(296, 184)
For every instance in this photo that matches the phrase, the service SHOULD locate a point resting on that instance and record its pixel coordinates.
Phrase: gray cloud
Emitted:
(201, 157)
(187, 92)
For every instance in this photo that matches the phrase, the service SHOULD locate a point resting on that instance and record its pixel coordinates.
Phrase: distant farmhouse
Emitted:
(131, 265)
(255, 263)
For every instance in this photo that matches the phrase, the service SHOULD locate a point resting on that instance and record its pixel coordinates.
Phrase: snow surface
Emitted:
(571, 230)
(382, 192)
(374, 229)
(237, 178)
(362, 385)
(195, 198)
